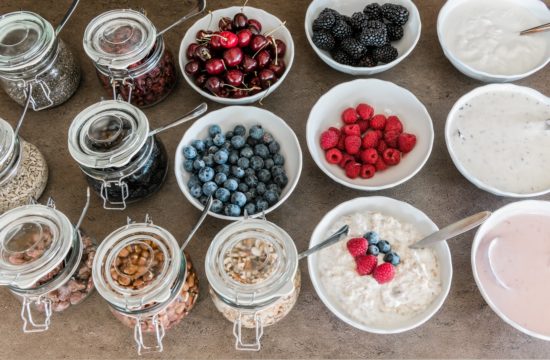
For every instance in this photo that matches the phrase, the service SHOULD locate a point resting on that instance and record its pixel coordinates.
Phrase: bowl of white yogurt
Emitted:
(498, 139)
(422, 279)
(481, 38)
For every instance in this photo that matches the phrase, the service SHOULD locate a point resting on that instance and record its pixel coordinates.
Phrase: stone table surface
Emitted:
(464, 327)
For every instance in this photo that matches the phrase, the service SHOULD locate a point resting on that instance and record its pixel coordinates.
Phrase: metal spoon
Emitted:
(65, 19)
(333, 239)
(199, 222)
(536, 29)
(200, 6)
(452, 230)
(193, 114)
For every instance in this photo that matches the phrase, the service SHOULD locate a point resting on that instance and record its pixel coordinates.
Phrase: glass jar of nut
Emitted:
(252, 267)
(147, 281)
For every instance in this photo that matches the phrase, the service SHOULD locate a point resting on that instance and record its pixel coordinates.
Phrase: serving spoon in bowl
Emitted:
(536, 29)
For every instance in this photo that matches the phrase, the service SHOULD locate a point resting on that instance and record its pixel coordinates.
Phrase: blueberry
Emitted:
(264, 175)
(193, 180)
(231, 184)
(217, 206)
(209, 160)
(256, 162)
(281, 180)
(237, 141)
(229, 134)
(392, 258)
(276, 170)
(249, 172)
(208, 142)
(373, 250)
(242, 187)
(267, 138)
(209, 188)
(219, 139)
(274, 187)
(261, 150)
(222, 194)
(261, 205)
(274, 147)
(278, 159)
(268, 163)
(199, 145)
(213, 149)
(251, 180)
(196, 191)
(239, 130)
(256, 132)
(203, 199)
(261, 188)
(198, 164)
(251, 194)
(233, 157)
(238, 198)
(271, 197)
(384, 246)
(189, 152)
(188, 165)
(220, 178)
(232, 210)
(226, 146)
(223, 169)
(243, 163)
(221, 157)
(251, 141)
(372, 237)
(250, 209)
(214, 130)
(247, 152)
(206, 174)
(237, 172)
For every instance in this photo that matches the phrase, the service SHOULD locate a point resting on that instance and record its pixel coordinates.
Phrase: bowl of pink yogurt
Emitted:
(511, 265)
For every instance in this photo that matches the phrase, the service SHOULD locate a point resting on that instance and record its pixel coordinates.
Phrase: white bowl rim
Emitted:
(475, 245)
(249, 99)
(446, 286)
(312, 144)
(227, 109)
(375, 69)
(479, 73)
(458, 164)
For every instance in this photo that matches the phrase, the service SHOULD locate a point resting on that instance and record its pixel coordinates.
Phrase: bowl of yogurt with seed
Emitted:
(511, 265)
(498, 137)
(422, 279)
(481, 38)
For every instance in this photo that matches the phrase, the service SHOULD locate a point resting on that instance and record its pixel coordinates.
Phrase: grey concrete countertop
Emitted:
(464, 327)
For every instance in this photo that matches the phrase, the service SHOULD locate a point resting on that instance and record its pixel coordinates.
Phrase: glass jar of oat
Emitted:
(148, 282)
(35, 62)
(252, 268)
(23, 170)
(131, 59)
(45, 262)
(110, 141)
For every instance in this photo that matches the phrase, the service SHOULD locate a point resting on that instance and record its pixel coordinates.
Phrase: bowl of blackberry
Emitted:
(361, 37)
(247, 158)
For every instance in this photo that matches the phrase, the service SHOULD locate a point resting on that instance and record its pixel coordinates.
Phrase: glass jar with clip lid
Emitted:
(45, 261)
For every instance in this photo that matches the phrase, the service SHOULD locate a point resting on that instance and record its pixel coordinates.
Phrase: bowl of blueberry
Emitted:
(236, 55)
(247, 158)
(362, 37)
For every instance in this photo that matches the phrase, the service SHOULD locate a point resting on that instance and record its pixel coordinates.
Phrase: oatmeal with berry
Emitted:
(374, 276)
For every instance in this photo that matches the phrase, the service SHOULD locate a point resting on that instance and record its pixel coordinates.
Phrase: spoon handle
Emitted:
(334, 238)
(536, 29)
(201, 5)
(68, 14)
(195, 113)
(199, 223)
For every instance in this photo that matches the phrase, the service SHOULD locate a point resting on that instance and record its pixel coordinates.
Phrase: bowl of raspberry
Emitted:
(362, 37)
(369, 134)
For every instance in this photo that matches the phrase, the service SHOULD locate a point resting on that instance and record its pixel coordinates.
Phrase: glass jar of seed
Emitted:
(23, 170)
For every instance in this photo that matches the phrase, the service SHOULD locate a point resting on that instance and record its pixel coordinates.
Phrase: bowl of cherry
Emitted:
(236, 55)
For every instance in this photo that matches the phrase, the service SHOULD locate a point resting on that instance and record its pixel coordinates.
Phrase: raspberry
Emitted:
(369, 156)
(329, 139)
(378, 122)
(346, 159)
(352, 130)
(384, 273)
(391, 156)
(363, 125)
(357, 246)
(380, 165)
(353, 169)
(379, 133)
(352, 144)
(382, 146)
(367, 171)
(365, 264)
(350, 116)
(390, 138)
(370, 140)
(365, 111)
(393, 124)
(341, 142)
(334, 156)
(334, 130)
(406, 142)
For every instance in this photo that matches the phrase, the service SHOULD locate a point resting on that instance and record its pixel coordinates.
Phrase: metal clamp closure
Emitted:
(119, 205)
(29, 324)
(159, 335)
(237, 332)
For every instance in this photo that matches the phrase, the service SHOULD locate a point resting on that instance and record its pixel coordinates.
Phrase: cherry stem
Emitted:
(276, 29)
(244, 5)
(263, 47)
(265, 95)
(276, 52)
(211, 18)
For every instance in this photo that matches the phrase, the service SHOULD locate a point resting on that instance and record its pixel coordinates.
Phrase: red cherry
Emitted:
(239, 93)
(234, 77)
(245, 36)
(249, 64)
(267, 78)
(192, 68)
(201, 80)
(279, 48)
(257, 43)
(255, 26)
(239, 21)
(190, 53)
(202, 53)
(278, 68)
(214, 66)
(213, 84)
(215, 41)
(228, 39)
(255, 82)
(202, 35)
(263, 58)
(225, 24)
(233, 57)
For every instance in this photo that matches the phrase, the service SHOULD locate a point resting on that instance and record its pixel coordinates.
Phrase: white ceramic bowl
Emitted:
(536, 7)
(387, 98)
(402, 212)
(513, 209)
(404, 46)
(450, 132)
(227, 118)
(269, 23)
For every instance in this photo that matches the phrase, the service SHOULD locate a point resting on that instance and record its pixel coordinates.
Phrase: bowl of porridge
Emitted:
(420, 281)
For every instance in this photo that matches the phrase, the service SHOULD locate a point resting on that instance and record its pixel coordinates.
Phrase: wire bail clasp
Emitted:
(29, 324)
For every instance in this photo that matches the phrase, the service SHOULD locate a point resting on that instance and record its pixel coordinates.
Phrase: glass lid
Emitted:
(25, 37)
(107, 134)
(7, 144)
(136, 266)
(251, 262)
(34, 240)
(119, 38)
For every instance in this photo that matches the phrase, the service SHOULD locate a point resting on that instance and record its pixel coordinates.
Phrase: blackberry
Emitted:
(375, 24)
(323, 40)
(358, 21)
(335, 13)
(396, 14)
(395, 32)
(340, 56)
(353, 48)
(373, 37)
(373, 11)
(385, 54)
(347, 19)
(324, 22)
(367, 61)
(341, 30)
